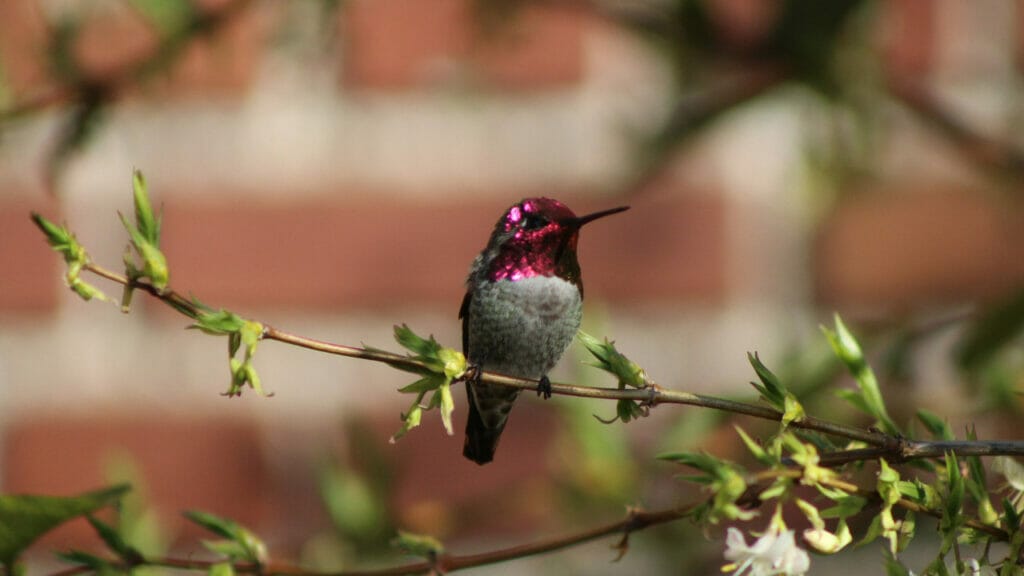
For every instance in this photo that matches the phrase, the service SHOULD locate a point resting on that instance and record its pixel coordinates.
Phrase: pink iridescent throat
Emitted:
(546, 251)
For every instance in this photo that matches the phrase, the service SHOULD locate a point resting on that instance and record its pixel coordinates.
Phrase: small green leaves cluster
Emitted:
(774, 392)
(438, 367)
(723, 479)
(145, 239)
(239, 331)
(239, 544)
(868, 396)
(65, 243)
(627, 372)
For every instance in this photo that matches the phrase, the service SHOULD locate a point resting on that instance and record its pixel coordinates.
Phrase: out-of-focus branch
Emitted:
(441, 564)
(981, 150)
(112, 85)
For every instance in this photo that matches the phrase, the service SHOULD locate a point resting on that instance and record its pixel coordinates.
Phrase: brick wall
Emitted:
(335, 177)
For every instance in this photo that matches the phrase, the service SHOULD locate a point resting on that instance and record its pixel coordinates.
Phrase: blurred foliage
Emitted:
(137, 523)
(24, 518)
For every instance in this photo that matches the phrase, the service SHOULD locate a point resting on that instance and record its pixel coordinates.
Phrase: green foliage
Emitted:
(356, 508)
(723, 479)
(24, 518)
(65, 243)
(239, 331)
(936, 426)
(418, 545)
(868, 397)
(991, 332)
(240, 544)
(439, 366)
(171, 17)
(145, 239)
(628, 373)
(774, 392)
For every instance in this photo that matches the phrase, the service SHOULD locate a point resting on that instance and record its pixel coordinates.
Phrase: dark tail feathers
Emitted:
(481, 441)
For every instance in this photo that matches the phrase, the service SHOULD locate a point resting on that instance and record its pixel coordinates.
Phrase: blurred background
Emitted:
(331, 168)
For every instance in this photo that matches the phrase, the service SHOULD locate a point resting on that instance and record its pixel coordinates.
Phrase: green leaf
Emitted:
(427, 348)
(112, 538)
(977, 485)
(893, 567)
(418, 544)
(772, 389)
(936, 426)
(98, 565)
(219, 322)
(57, 236)
(242, 544)
(723, 479)
(442, 366)
(848, 350)
(355, 508)
(759, 452)
(23, 519)
(993, 330)
(447, 406)
(145, 238)
(614, 362)
(149, 225)
(410, 420)
(955, 487)
(845, 507)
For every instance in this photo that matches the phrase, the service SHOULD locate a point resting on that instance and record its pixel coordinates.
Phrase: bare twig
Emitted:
(444, 563)
(651, 396)
(881, 445)
(984, 151)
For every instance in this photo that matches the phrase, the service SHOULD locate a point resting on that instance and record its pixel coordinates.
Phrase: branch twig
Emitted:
(881, 445)
(444, 563)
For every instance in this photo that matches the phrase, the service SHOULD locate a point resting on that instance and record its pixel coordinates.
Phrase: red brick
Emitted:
(541, 47)
(397, 44)
(186, 463)
(225, 62)
(23, 42)
(29, 283)
(903, 249)
(908, 37)
(111, 42)
(392, 44)
(438, 491)
(357, 254)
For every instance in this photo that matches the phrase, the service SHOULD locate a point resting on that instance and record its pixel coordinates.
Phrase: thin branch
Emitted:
(635, 520)
(984, 151)
(649, 396)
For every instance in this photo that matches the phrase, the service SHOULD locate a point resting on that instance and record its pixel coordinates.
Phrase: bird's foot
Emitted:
(473, 373)
(544, 387)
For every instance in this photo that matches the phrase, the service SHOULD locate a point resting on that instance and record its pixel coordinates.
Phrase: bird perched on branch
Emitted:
(523, 306)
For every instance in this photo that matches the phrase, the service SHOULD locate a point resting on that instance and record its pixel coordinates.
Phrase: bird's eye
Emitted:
(534, 222)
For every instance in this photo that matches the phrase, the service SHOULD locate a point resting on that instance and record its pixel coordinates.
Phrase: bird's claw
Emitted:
(544, 387)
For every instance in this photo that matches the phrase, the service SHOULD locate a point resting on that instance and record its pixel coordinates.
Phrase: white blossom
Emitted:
(773, 554)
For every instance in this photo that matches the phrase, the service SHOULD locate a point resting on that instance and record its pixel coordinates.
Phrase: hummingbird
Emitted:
(522, 308)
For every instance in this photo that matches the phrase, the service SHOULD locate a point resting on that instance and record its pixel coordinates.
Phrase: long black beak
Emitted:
(581, 220)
